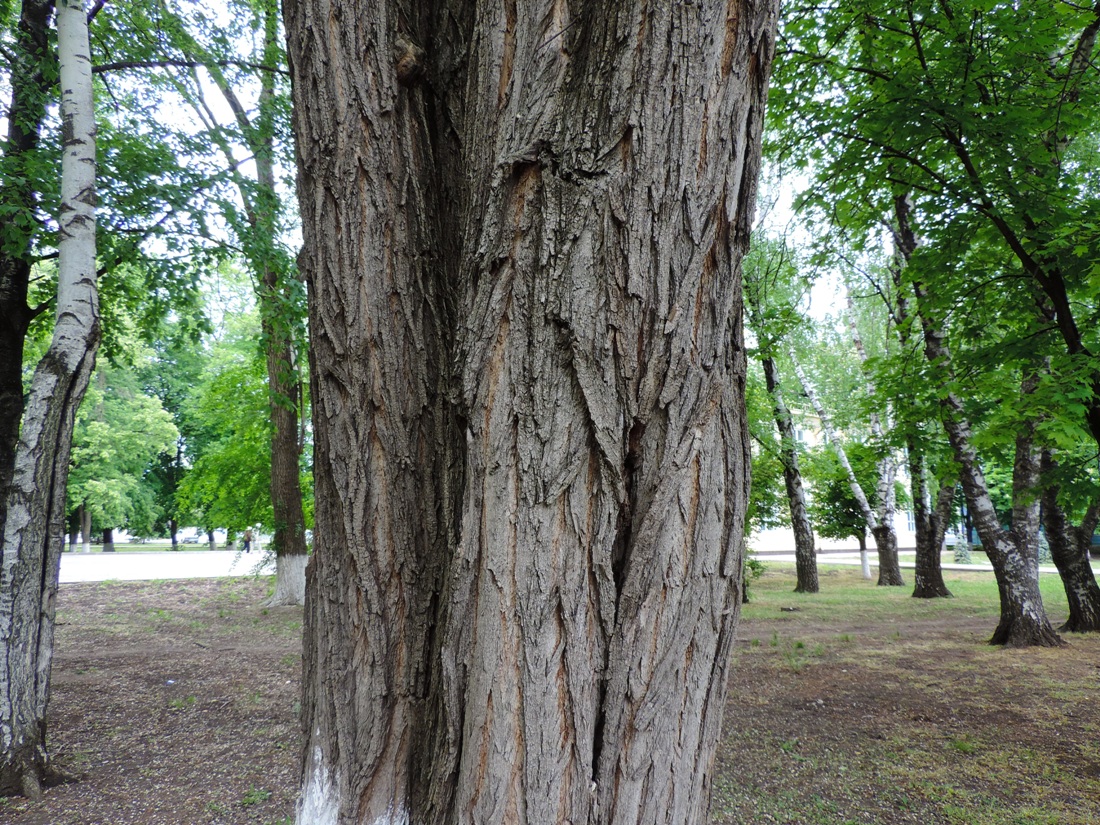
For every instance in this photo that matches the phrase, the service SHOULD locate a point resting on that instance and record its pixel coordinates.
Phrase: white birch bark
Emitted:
(887, 468)
(879, 519)
(886, 537)
(830, 433)
(33, 533)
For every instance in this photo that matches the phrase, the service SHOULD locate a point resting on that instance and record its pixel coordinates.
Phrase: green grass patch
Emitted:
(863, 704)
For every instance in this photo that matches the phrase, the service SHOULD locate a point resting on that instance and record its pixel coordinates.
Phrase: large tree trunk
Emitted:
(33, 531)
(805, 557)
(1069, 547)
(931, 526)
(522, 237)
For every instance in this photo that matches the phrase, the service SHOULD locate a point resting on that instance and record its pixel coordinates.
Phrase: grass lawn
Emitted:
(861, 704)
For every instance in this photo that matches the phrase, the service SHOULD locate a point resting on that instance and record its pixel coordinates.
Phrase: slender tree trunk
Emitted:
(279, 320)
(805, 556)
(1012, 553)
(33, 531)
(211, 542)
(864, 557)
(880, 523)
(85, 529)
(522, 237)
(886, 537)
(172, 530)
(1069, 547)
(931, 524)
(279, 316)
(1023, 620)
(108, 540)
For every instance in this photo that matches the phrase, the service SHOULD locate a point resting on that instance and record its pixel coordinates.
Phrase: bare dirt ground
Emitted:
(175, 703)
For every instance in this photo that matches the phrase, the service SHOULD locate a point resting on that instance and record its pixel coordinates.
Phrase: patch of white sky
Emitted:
(777, 218)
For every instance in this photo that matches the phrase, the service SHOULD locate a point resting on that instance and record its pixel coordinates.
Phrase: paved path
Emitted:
(853, 559)
(183, 564)
(212, 564)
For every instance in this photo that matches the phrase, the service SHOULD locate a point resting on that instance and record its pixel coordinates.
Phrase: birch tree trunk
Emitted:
(25, 114)
(885, 533)
(805, 557)
(33, 532)
(523, 226)
(864, 559)
(880, 521)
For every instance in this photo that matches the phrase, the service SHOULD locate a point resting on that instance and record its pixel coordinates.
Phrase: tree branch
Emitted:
(170, 63)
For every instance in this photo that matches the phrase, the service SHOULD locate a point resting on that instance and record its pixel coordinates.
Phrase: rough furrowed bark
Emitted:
(383, 440)
(34, 529)
(1069, 548)
(931, 524)
(568, 663)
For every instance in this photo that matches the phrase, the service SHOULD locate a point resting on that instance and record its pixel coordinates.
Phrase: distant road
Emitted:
(182, 564)
(213, 564)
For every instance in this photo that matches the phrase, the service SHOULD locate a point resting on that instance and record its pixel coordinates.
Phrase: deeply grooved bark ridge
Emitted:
(531, 455)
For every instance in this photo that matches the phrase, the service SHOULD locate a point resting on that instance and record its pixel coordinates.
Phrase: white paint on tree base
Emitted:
(318, 804)
(290, 581)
